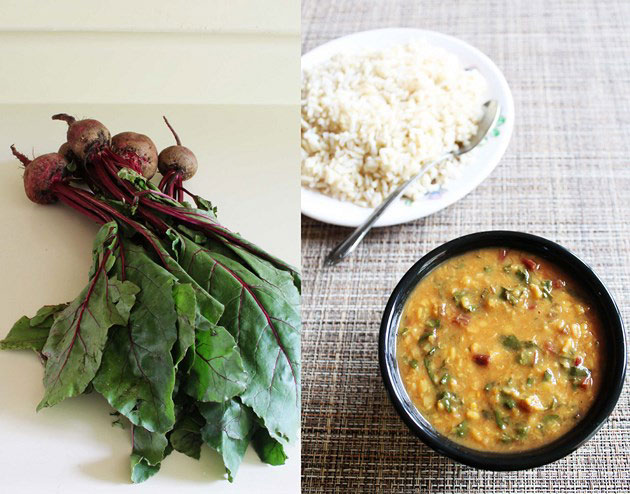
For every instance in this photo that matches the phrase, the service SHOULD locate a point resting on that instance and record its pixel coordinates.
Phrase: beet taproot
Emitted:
(140, 145)
(84, 136)
(41, 175)
(66, 152)
(178, 158)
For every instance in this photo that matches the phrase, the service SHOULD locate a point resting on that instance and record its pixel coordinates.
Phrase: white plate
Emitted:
(329, 210)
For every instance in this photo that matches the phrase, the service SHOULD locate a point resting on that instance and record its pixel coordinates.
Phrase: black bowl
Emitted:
(615, 349)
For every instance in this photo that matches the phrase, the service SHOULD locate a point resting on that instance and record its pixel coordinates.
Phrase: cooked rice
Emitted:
(371, 120)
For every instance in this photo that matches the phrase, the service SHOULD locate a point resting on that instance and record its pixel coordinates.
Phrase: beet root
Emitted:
(178, 158)
(66, 152)
(41, 174)
(84, 136)
(139, 145)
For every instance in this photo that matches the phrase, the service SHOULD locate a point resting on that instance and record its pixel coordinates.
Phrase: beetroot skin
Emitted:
(178, 158)
(84, 136)
(41, 174)
(65, 151)
(141, 146)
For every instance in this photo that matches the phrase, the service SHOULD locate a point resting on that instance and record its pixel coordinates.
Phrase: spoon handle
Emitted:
(351, 241)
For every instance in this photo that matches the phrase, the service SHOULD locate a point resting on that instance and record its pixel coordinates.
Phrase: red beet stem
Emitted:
(103, 171)
(65, 195)
(179, 143)
(184, 189)
(166, 178)
(25, 161)
(178, 185)
(135, 225)
(216, 230)
(142, 193)
(86, 203)
(69, 119)
(170, 189)
(78, 207)
(172, 185)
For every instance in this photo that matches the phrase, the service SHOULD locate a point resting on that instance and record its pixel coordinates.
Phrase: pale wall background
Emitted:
(195, 51)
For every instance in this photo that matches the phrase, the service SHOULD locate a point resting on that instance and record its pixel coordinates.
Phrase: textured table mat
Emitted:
(565, 176)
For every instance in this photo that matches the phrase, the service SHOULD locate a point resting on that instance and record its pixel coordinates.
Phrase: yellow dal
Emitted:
(541, 337)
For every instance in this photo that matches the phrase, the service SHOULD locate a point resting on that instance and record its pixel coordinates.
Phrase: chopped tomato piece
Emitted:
(530, 264)
(502, 254)
(578, 361)
(481, 359)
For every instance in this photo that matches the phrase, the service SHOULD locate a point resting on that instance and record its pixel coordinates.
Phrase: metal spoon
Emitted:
(345, 248)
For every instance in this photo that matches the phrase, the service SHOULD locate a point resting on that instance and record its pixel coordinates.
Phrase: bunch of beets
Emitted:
(189, 331)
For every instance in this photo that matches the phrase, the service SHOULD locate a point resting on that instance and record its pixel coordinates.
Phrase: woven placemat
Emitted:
(565, 176)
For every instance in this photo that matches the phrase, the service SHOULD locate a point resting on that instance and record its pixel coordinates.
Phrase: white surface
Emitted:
(329, 210)
(247, 158)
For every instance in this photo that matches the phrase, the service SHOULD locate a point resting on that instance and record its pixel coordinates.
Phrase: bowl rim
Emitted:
(521, 460)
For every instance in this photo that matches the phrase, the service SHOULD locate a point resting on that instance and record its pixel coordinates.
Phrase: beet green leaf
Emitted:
(32, 333)
(206, 222)
(217, 373)
(209, 307)
(283, 281)
(269, 450)
(228, 430)
(186, 435)
(216, 370)
(137, 376)
(74, 347)
(267, 330)
(289, 282)
(186, 307)
(202, 218)
(148, 449)
(46, 315)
